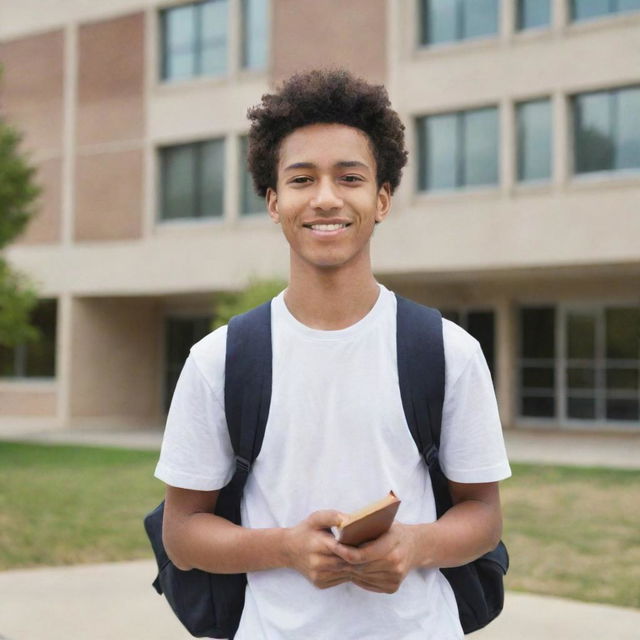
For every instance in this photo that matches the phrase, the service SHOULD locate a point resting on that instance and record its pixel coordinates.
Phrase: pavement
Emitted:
(116, 600)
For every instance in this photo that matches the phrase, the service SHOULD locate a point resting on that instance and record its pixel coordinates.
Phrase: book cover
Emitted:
(368, 523)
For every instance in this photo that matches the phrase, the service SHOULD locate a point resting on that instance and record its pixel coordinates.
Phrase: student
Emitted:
(327, 152)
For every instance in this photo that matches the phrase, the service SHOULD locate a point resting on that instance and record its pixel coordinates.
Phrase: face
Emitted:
(327, 200)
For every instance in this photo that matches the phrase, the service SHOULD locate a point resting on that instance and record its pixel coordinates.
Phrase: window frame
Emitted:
(561, 366)
(612, 94)
(460, 115)
(614, 10)
(21, 351)
(422, 14)
(518, 179)
(161, 186)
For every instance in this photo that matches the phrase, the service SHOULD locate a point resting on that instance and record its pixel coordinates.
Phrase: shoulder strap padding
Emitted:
(247, 387)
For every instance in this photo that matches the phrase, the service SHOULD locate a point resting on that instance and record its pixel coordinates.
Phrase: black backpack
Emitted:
(209, 604)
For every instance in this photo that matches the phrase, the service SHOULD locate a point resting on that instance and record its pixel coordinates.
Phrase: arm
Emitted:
(468, 530)
(196, 538)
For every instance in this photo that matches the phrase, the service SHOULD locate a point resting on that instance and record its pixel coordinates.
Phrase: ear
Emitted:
(383, 205)
(272, 205)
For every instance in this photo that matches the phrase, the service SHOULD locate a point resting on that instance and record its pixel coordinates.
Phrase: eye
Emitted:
(300, 180)
(352, 178)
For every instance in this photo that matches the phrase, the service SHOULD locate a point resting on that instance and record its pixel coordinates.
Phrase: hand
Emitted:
(311, 550)
(382, 564)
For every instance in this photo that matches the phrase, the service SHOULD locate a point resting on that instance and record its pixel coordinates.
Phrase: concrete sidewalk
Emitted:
(109, 601)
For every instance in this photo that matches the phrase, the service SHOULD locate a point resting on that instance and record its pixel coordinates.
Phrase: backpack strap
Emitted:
(247, 395)
(421, 374)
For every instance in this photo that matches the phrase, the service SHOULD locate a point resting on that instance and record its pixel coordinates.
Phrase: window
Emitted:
(250, 201)
(537, 362)
(192, 180)
(452, 20)
(533, 14)
(255, 33)
(181, 333)
(534, 140)
(458, 150)
(481, 325)
(607, 130)
(34, 359)
(597, 371)
(586, 9)
(194, 40)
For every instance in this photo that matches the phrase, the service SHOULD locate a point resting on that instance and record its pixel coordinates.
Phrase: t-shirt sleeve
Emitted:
(472, 445)
(196, 450)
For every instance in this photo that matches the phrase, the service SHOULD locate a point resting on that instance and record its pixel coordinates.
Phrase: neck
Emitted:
(330, 299)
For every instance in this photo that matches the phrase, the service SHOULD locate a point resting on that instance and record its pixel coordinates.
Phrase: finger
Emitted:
(332, 582)
(352, 555)
(325, 519)
(367, 586)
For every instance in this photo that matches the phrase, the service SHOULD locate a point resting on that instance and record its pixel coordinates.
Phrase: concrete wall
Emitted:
(31, 99)
(333, 33)
(115, 369)
(28, 399)
(110, 129)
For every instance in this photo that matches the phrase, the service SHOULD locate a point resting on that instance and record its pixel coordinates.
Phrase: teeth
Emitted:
(327, 227)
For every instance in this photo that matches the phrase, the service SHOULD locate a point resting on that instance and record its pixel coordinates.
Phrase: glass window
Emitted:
(622, 350)
(452, 20)
(481, 325)
(255, 33)
(192, 180)
(213, 20)
(533, 14)
(581, 364)
(534, 140)
(194, 40)
(250, 201)
(480, 147)
(479, 18)
(586, 9)
(458, 150)
(537, 362)
(438, 152)
(181, 333)
(607, 130)
(34, 359)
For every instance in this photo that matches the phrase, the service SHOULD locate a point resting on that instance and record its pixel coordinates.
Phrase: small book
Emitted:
(368, 523)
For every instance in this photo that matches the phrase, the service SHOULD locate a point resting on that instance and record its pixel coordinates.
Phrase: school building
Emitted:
(518, 214)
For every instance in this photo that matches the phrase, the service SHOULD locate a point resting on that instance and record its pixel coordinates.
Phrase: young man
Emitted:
(327, 153)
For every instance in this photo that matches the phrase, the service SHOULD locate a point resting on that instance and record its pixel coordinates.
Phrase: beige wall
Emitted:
(111, 80)
(45, 226)
(349, 34)
(110, 130)
(108, 190)
(28, 399)
(31, 98)
(115, 371)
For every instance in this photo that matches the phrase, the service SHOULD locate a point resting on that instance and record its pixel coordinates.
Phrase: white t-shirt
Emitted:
(336, 438)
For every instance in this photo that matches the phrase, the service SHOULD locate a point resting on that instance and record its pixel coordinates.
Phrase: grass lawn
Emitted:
(68, 505)
(574, 532)
(571, 532)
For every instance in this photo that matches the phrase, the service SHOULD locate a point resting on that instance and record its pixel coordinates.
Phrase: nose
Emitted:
(326, 196)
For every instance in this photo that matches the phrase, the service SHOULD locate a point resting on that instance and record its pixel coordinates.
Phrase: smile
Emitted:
(327, 228)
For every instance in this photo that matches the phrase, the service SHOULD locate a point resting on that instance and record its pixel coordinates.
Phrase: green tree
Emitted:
(256, 292)
(18, 195)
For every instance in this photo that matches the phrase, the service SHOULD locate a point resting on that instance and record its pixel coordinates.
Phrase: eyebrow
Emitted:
(343, 164)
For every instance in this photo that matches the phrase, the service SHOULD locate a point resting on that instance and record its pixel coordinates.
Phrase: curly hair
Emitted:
(332, 97)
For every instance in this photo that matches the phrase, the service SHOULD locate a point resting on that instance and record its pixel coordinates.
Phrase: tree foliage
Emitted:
(256, 292)
(18, 195)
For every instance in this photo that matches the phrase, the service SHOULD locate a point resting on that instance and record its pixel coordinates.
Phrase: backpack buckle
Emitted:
(431, 456)
(242, 464)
